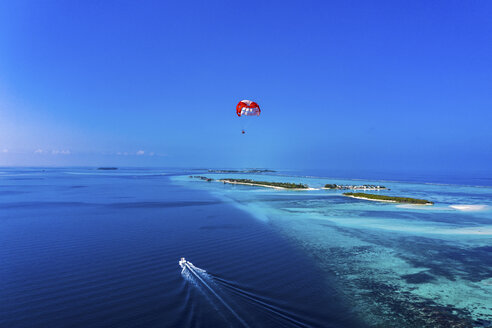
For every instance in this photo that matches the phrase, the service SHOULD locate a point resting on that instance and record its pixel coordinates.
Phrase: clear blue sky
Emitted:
(358, 84)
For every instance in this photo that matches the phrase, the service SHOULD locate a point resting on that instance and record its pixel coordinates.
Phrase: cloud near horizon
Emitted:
(62, 152)
(53, 152)
(138, 153)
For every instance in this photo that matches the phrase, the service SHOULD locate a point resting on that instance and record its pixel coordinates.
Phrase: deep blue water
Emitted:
(87, 248)
(81, 247)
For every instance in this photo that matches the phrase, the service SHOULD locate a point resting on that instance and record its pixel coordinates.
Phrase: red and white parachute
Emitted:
(247, 108)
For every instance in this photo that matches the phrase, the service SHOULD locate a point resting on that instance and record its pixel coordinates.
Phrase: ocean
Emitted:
(81, 247)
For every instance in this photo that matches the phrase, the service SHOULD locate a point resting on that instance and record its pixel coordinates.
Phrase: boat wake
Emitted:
(226, 294)
(200, 278)
(276, 312)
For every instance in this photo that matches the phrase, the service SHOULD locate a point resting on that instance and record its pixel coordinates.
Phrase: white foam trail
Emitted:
(266, 306)
(194, 270)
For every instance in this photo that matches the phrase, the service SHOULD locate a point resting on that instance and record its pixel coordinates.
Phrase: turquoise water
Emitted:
(86, 248)
(396, 265)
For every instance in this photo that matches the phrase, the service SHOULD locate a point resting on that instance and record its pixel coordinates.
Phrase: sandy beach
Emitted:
(384, 200)
(266, 186)
(469, 207)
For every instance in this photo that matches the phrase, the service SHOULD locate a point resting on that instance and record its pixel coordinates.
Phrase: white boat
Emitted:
(183, 263)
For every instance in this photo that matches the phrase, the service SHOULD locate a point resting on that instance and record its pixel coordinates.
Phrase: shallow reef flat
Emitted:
(396, 265)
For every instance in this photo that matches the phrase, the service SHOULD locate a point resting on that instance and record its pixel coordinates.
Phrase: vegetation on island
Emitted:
(389, 198)
(286, 185)
(107, 168)
(201, 178)
(242, 171)
(345, 187)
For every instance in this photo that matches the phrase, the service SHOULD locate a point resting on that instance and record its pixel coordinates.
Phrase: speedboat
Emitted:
(182, 263)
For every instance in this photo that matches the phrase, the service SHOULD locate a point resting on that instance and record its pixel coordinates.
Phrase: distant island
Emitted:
(201, 178)
(107, 168)
(276, 185)
(242, 171)
(353, 187)
(391, 199)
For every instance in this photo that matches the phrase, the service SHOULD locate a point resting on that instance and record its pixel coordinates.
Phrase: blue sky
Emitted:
(403, 85)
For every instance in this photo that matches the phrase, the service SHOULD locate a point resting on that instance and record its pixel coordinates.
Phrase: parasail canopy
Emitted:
(247, 108)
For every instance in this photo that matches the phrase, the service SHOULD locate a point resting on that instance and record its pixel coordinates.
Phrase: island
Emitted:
(275, 185)
(201, 178)
(354, 187)
(242, 171)
(391, 199)
(107, 168)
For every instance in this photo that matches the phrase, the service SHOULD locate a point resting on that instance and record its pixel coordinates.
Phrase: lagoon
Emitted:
(82, 247)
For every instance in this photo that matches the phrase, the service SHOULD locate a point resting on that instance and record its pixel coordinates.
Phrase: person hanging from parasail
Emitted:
(247, 108)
